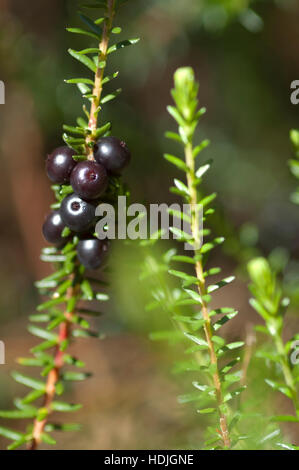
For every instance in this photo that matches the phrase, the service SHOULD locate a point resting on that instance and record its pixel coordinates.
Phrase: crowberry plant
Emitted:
(271, 305)
(218, 381)
(213, 375)
(80, 183)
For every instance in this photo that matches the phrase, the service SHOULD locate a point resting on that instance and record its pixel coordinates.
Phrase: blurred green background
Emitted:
(245, 55)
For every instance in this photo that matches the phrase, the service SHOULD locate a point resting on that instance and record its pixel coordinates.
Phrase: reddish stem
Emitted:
(52, 379)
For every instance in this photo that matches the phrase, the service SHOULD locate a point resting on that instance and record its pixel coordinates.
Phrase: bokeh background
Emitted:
(245, 56)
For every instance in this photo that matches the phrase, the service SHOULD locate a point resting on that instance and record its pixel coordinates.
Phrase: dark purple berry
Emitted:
(77, 214)
(89, 180)
(92, 253)
(53, 227)
(60, 164)
(112, 153)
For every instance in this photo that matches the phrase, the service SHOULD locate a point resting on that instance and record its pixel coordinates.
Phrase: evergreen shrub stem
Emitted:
(62, 313)
(208, 328)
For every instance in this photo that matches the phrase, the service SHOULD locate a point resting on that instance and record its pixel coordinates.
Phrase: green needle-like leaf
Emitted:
(28, 381)
(84, 60)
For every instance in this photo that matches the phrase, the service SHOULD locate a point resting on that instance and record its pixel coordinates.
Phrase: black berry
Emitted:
(77, 214)
(92, 253)
(60, 164)
(89, 180)
(53, 227)
(112, 153)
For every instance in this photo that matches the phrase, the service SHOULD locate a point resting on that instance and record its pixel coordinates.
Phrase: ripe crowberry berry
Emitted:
(89, 180)
(77, 214)
(92, 253)
(112, 153)
(53, 227)
(60, 164)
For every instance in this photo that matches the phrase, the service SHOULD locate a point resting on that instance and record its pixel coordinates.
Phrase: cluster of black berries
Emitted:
(89, 180)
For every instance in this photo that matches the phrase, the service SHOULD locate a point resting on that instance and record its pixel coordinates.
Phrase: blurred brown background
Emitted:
(245, 60)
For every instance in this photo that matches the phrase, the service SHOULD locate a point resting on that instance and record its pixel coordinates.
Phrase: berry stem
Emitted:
(208, 327)
(54, 374)
(98, 82)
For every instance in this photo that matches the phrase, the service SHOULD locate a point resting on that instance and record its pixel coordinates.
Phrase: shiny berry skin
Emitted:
(53, 227)
(60, 164)
(77, 214)
(112, 153)
(89, 180)
(92, 253)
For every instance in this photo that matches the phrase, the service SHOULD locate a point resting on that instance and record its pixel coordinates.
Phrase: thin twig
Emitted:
(53, 376)
(98, 82)
(208, 328)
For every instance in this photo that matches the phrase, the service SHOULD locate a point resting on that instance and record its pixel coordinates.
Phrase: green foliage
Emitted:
(267, 294)
(215, 15)
(209, 358)
(95, 60)
(294, 163)
(59, 314)
(269, 302)
(65, 288)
